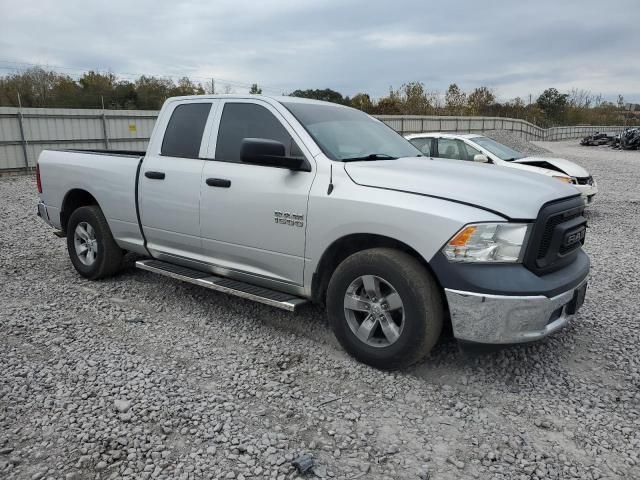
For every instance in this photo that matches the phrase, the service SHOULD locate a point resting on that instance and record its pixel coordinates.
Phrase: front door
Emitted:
(253, 217)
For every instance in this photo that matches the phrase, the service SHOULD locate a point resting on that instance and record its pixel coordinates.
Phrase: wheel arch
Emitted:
(345, 246)
(74, 199)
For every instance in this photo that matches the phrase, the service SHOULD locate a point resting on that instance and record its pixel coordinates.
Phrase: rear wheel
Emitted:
(92, 249)
(385, 308)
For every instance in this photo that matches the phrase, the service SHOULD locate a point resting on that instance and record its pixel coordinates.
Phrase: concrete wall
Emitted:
(25, 133)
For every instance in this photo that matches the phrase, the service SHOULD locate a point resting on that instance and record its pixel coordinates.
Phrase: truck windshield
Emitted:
(499, 150)
(347, 134)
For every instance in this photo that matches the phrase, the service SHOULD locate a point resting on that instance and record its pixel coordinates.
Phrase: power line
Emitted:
(16, 66)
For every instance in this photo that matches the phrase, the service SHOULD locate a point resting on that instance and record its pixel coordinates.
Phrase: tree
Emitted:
(391, 105)
(186, 87)
(479, 100)
(552, 103)
(37, 88)
(455, 100)
(124, 95)
(46, 88)
(362, 101)
(326, 95)
(95, 88)
(152, 92)
(410, 99)
(415, 99)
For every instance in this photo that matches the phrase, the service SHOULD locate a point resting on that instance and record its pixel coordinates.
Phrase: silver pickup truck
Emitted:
(284, 201)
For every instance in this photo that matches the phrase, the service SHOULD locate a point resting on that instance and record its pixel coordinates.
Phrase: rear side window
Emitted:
(183, 135)
(248, 120)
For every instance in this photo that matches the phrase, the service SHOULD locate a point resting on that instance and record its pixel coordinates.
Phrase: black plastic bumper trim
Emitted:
(509, 279)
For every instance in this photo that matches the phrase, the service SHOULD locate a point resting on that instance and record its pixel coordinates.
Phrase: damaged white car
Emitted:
(479, 148)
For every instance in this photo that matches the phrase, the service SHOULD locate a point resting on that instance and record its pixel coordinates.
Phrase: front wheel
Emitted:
(92, 249)
(385, 308)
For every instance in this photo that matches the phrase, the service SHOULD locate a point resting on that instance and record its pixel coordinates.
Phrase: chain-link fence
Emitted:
(24, 133)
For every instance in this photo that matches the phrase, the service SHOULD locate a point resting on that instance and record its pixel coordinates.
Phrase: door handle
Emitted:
(219, 182)
(154, 175)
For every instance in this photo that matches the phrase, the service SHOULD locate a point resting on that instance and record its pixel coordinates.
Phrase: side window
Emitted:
(422, 144)
(470, 151)
(450, 148)
(248, 120)
(183, 135)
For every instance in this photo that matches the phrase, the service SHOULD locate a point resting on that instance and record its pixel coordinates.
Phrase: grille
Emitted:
(547, 236)
(554, 221)
(566, 249)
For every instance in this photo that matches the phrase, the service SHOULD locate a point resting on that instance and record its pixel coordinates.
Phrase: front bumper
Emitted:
(588, 192)
(506, 319)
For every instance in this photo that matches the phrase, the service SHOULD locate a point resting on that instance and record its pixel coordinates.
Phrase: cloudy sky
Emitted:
(516, 47)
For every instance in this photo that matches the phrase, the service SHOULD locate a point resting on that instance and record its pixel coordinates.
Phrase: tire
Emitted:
(418, 323)
(102, 257)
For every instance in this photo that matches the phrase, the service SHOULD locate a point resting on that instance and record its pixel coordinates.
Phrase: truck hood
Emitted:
(554, 164)
(512, 193)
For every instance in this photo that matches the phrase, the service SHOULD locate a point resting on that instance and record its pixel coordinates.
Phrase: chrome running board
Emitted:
(281, 300)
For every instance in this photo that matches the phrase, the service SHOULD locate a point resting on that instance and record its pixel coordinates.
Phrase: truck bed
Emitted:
(108, 176)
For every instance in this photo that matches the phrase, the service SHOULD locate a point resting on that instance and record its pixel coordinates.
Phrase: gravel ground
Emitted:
(141, 376)
(516, 142)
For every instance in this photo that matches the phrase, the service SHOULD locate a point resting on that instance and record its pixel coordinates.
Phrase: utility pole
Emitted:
(23, 138)
(105, 133)
(213, 87)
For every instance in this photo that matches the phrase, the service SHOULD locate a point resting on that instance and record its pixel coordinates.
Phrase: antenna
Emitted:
(330, 189)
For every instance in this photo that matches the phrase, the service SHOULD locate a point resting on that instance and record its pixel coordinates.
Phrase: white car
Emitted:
(479, 148)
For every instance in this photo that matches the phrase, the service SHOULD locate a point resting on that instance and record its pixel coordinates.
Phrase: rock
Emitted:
(455, 462)
(122, 406)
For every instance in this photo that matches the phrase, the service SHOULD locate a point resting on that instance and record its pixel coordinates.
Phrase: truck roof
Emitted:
(277, 98)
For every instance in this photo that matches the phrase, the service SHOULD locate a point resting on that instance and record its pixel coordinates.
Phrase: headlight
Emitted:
(563, 179)
(488, 242)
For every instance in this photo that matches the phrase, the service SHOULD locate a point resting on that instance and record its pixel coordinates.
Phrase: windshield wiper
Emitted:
(371, 156)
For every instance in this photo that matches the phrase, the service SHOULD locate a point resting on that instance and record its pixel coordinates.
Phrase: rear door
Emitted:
(170, 180)
(253, 217)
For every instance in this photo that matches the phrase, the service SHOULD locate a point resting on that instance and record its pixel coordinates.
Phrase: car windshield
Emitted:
(499, 150)
(346, 134)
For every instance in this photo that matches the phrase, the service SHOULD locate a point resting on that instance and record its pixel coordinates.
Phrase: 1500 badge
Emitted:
(288, 218)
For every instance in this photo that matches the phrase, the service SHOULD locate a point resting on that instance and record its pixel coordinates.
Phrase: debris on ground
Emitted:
(598, 138)
(304, 463)
(627, 140)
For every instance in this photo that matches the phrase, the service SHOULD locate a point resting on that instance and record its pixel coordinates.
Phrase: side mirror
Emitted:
(480, 157)
(270, 153)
